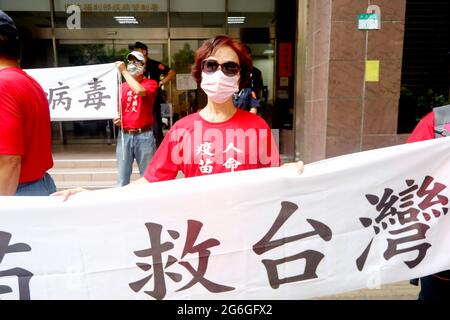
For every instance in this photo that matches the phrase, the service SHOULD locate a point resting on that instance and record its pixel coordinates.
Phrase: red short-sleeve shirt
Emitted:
(137, 111)
(25, 123)
(198, 147)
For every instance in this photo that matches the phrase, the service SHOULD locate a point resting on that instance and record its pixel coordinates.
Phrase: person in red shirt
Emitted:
(424, 129)
(25, 131)
(155, 70)
(136, 139)
(219, 138)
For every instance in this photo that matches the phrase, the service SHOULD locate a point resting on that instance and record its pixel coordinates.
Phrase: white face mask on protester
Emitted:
(135, 70)
(218, 86)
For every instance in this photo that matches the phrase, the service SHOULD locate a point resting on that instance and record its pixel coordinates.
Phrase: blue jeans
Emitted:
(41, 187)
(140, 147)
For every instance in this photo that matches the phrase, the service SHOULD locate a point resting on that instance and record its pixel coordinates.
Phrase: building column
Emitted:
(342, 113)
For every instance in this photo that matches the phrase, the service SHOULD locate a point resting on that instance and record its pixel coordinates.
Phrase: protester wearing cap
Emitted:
(25, 132)
(155, 70)
(136, 140)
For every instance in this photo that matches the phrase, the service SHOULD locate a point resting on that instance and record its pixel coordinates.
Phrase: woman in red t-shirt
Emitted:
(219, 138)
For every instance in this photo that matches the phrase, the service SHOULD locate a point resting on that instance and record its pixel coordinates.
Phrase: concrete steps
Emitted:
(84, 163)
(87, 173)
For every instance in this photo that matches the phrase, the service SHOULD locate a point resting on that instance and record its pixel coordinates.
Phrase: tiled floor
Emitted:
(395, 291)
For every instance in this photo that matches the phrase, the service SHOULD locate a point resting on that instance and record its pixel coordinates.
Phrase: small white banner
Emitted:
(80, 93)
(352, 222)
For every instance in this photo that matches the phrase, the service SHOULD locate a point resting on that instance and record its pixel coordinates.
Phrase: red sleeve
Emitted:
(166, 162)
(424, 129)
(151, 86)
(11, 129)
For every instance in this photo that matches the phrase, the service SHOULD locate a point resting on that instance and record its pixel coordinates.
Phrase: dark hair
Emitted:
(138, 45)
(9, 39)
(9, 45)
(210, 46)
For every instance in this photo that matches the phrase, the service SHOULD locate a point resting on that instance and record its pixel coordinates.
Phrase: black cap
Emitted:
(7, 24)
(138, 45)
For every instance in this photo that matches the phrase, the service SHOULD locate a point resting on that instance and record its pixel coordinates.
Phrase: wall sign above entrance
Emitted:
(100, 7)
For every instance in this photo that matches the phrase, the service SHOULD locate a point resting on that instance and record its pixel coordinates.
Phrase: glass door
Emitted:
(186, 96)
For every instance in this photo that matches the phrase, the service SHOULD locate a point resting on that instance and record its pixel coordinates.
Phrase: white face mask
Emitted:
(218, 86)
(135, 70)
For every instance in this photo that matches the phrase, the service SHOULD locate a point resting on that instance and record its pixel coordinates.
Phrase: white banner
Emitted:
(80, 93)
(352, 222)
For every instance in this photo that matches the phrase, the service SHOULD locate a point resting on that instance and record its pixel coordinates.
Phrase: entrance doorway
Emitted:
(172, 29)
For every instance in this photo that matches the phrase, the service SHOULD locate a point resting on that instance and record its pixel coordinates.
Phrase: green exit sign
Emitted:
(368, 21)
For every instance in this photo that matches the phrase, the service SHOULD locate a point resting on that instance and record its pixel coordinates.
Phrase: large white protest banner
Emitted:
(80, 93)
(356, 221)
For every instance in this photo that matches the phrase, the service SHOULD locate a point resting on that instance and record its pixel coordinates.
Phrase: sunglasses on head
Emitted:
(229, 68)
